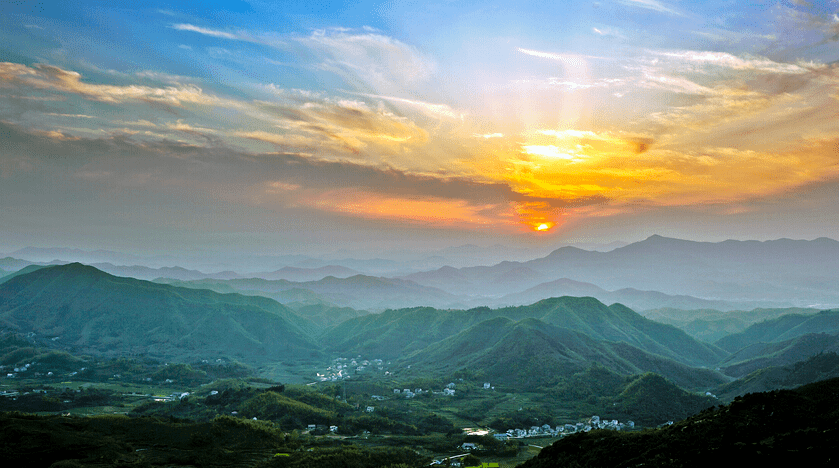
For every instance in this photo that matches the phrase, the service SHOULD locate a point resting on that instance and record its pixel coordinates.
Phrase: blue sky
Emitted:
(316, 126)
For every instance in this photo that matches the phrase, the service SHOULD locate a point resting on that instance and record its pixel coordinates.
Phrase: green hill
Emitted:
(531, 354)
(760, 355)
(91, 311)
(783, 427)
(22, 271)
(711, 325)
(518, 355)
(396, 333)
(782, 328)
(650, 399)
(818, 367)
(620, 323)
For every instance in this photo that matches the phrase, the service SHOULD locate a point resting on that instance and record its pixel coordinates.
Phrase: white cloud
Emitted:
(78, 116)
(435, 110)
(655, 80)
(574, 60)
(733, 62)
(210, 32)
(653, 5)
(369, 59)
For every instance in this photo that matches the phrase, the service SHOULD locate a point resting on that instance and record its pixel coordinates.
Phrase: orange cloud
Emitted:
(427, 211)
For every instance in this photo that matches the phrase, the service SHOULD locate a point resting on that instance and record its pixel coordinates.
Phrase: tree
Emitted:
(470, 460)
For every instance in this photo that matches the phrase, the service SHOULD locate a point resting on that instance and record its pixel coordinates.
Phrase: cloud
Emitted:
(653, 5)
(49, 77)
(76, 116)
(368, 60)
(573, 60)
(732, 62)
(433, 110)
(277, 181)
(675, 84)
(214, 32)
(336, 128)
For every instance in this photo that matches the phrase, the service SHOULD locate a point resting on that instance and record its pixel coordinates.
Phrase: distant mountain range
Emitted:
(655, 273)
(777, 273)
(358, 291)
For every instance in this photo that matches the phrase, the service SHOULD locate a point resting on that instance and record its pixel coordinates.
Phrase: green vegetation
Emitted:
(84, 308)
(782, 328)
(779, 427)
(821, 366)
(42, 441)
(711, 325)
(162, 360)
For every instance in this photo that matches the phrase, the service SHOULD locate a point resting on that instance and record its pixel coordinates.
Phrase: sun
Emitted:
(542, 227)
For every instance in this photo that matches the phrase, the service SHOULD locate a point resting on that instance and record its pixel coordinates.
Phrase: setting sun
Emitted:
(542, 227)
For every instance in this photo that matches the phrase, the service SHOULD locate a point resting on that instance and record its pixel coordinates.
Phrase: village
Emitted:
(343, 368)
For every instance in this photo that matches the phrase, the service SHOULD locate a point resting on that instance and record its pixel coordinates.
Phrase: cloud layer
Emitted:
(627, 109)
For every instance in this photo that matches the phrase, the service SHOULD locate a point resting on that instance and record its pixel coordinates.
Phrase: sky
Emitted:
(315, 126)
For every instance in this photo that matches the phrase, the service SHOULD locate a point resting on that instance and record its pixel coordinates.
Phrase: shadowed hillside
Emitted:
(783, 427)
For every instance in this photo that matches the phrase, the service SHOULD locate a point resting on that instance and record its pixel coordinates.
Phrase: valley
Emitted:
(294, 362)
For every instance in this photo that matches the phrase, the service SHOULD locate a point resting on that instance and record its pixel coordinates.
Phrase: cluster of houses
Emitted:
(411, 393)
(343, 368)
(547, 431)
(25, 368)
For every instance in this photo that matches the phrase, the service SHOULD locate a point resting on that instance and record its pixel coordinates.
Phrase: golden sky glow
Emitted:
(622, 108)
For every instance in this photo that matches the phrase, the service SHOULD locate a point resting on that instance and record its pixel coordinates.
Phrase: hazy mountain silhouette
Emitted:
(358, 291)
(782, 272)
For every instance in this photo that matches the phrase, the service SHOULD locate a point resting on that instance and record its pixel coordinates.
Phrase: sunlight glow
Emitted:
(548, 151)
